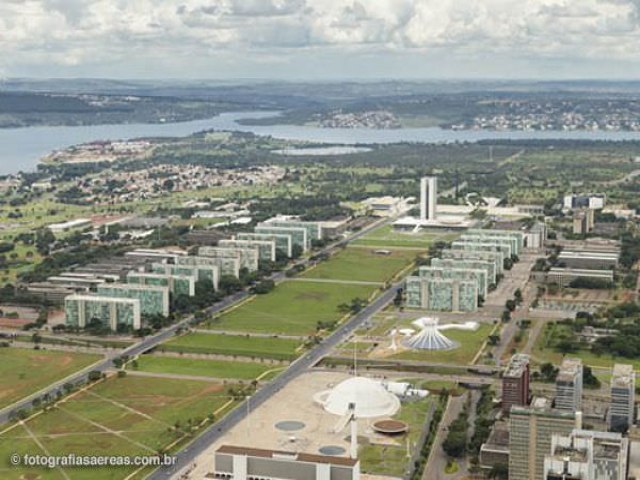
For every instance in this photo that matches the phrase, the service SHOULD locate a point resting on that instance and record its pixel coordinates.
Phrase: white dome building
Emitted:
(371, 399)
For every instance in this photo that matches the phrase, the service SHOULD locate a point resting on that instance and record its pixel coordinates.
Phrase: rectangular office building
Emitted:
(80, 310)
(515, 382)
(299, 235)
(510, 234)
(243, 463)
(203, 273)
(569, 385)
(178, 284)
(495, 258)
(266, 248)
(503, 250)
(314, 229)
(467, 275)
(489, 269)
(511, 243)
(623, 394)
(248, 256)
(587, 454)
(588, 260)
(282, 241)
(530, 434)
(154, 300)
(441, 294)
(226, 266)
(565, 276)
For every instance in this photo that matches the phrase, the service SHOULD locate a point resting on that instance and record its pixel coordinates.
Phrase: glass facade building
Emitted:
(80, 310)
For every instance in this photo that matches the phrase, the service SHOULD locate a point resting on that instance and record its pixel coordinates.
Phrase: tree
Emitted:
(566, 346)
(510, 305)
(589, 379)
(168, 185)
(517, 295)
(229, 284)
(264, 287)
(499, 471)
(548, 372)
(455, 444)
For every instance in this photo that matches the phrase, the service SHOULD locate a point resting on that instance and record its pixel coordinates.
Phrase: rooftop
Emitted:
(293, 456)
(570, 368)
(623, 375)
(517, 365)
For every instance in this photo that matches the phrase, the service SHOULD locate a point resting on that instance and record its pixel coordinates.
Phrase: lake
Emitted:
(21, 148)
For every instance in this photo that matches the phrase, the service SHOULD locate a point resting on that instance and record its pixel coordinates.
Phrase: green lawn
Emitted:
(392, 460)
(470, 343)
(544, 351)
(293, 308)
(386, 236)
(240, 345)
(143, 411)
(23, 372)
(202, 368)
(363, 264)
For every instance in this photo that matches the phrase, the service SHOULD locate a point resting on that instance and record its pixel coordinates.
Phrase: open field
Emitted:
(385, 236)
(392, 459)
(23, 372)
(544, 350)
(362, 264)
(234, 345)
(293, 308)
(121, 416)
(200, 367)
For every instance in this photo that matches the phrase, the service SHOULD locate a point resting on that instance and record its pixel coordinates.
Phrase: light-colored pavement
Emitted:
(437, 461)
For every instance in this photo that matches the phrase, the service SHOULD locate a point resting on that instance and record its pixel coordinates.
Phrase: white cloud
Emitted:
(117, 32)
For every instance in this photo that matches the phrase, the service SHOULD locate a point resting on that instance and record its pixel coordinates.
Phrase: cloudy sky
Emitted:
(320, 39)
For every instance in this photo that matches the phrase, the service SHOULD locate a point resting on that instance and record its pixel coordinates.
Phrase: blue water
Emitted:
(21, 148)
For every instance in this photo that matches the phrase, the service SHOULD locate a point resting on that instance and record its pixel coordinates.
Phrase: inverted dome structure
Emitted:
(370, 398)
(429, 337)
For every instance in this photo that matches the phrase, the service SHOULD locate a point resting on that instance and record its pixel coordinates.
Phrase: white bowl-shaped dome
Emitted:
(371, 399)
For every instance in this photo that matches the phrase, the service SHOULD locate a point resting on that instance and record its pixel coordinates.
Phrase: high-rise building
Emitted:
(569, 385)
(530, 433)
(583, 221)
(283, 242)
(299, 235)
(587, 455)
(623, 389)
(266, 248)
(154, 300)
(428, 198)
(249, 257)
(496, 258)
(441, 294)
(225, 266)
(178, 284)
(82, 310)
(516, 236)
(515, 383)
(209, 274)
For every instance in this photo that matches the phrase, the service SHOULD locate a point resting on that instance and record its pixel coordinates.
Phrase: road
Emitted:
(216, 431)
(437, 460)
(153, 340)
(107, 363)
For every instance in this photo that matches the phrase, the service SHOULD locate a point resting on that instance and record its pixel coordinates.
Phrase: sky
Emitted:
(320, 39)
